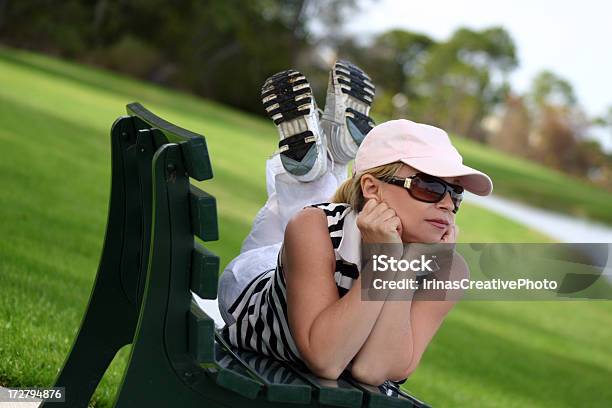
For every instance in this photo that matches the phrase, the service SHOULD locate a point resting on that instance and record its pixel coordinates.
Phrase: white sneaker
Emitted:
(345, 120)
(288, 100)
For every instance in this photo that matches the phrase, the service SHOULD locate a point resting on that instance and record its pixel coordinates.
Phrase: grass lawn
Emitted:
(55, 120)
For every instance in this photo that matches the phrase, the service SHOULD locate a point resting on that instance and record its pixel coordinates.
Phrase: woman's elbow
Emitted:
(378, 375)
(324, 369)
(401, 374)
(368, 375)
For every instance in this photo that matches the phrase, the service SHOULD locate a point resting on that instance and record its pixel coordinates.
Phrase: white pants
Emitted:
(259, 251)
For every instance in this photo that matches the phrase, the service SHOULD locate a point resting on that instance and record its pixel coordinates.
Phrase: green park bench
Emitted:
(150, 264)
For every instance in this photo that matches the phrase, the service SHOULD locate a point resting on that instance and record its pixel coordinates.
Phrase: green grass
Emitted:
(55, 119)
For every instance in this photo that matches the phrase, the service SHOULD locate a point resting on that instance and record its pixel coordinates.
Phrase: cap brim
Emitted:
(471, 179)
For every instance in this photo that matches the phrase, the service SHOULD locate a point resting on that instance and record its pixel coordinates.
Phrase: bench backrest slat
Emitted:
(204, 272)
(193, 145)
(203, 208)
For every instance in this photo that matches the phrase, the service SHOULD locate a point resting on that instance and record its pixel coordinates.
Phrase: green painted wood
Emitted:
(201, 335)
(417, 403)
(193, 145)
(109, 321)
(203, 209)
(281, 383)
(204, 272)
(338, 393)
(161, 370)
(232, 375)
(376, 399)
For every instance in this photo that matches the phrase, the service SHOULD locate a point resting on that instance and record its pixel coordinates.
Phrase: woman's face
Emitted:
(416, 216)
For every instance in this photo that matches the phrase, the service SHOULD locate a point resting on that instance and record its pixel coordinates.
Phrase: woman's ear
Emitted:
(370, 187)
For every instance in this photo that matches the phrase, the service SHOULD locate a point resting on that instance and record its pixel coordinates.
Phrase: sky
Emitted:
(571, 38)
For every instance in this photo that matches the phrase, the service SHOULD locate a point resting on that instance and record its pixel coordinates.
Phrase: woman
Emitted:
(294, 292)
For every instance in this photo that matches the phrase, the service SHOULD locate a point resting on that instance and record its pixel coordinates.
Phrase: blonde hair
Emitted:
(350, 191)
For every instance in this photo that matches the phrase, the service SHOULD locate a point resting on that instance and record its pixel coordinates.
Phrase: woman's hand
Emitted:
(450, 236)
(379, 223)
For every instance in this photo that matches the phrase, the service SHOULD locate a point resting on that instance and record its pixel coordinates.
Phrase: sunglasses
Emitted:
(429, 189)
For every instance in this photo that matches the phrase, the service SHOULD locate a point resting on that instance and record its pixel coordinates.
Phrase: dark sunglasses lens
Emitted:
(457, 198)
(427, 190)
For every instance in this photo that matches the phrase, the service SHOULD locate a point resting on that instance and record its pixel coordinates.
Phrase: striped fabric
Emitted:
(261, 309)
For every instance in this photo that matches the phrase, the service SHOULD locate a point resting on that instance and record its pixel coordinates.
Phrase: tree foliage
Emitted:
(464, 78)
(222, 49)
(548, 88)
(453, 84)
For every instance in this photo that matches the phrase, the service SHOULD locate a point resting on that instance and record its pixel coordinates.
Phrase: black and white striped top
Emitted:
(260, 312)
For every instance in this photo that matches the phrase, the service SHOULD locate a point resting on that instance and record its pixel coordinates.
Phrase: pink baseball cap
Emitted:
(424, 147)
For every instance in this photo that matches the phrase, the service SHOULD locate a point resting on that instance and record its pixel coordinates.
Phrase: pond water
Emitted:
(561, 227)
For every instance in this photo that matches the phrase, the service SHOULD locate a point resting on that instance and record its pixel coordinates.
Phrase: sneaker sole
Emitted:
(356, 84)
(286, 96)
(356, 94)
(288, 101)
(359, 91)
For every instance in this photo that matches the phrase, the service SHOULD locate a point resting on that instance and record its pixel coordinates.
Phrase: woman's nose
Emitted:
(446, 202)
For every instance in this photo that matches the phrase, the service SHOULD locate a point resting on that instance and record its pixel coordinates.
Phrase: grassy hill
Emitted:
(55, 119)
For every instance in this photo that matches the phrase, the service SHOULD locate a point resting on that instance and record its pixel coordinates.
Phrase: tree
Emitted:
(464, 78)
(512, 135)
(397, 54)
(548, 88)
(605, 120)
(556, 138)
(561, 127)
(221, 49)
(390, 58)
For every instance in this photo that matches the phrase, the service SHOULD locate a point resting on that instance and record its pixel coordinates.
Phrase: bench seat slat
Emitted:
(376, 399)
(295, 390)
(282, 384)
(232, 375)
(337, 393)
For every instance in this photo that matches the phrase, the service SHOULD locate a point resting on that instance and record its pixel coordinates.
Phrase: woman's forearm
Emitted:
(387, 352)
(404, 329)
(341, 329)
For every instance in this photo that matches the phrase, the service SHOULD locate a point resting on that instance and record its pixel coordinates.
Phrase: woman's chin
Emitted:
(425, 239)
(436, 237)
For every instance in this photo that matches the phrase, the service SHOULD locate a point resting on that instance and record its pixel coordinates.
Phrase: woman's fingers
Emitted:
(369, 209)
(392, 223)
(381, 212)
(378, 210)
(378, 222)
(380, 215)
(451, 234)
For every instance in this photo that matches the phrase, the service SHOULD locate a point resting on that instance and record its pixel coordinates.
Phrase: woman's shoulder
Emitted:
(307, 232)
(316, 218)
(331, 209)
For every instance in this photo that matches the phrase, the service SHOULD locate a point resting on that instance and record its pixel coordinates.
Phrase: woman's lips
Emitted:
(439, 225)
